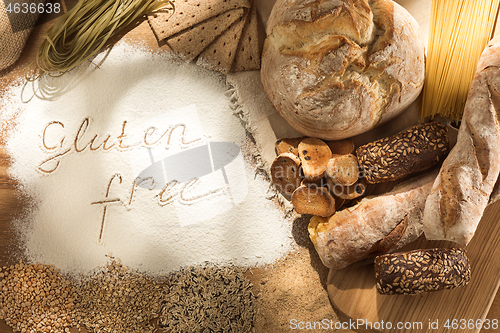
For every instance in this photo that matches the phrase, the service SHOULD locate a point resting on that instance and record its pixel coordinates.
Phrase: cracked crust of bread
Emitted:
(334, 69)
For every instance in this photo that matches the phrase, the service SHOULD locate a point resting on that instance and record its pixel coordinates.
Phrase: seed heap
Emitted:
(35, 297)
(208, 299)
(116, 299)
(398, 156)
(419, 271)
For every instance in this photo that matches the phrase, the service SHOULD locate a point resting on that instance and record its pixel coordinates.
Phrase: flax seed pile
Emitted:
(208, 299)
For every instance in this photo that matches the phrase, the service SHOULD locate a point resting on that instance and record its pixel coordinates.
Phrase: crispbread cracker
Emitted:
(219, 55)
(189, 13)
(249, 50)
(191, 42)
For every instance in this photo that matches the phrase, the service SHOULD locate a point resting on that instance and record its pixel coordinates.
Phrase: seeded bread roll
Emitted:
(337, 68)
(419, 271)
(398, 156)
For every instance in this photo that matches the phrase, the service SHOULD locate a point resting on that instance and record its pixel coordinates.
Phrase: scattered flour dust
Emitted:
(138, 157)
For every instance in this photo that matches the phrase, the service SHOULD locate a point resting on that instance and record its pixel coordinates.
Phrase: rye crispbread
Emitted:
(195, 39)
(189, 13)
(219, 55)
(249, 49)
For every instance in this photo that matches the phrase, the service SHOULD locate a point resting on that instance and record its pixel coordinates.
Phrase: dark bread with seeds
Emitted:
(419, 271)
(414, 150)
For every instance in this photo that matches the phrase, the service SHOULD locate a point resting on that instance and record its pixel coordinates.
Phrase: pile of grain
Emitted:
(116, 299)
(208, 298)
(36, 297)
(292, 290)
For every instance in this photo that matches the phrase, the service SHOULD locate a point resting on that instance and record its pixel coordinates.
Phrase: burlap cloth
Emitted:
(14, 31)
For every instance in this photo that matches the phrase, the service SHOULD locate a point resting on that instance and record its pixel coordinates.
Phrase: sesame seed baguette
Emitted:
(466, 181)
(419, 271)
(416, 149)
(352, 234)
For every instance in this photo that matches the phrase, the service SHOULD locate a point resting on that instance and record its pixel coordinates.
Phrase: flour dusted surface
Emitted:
(140, 157)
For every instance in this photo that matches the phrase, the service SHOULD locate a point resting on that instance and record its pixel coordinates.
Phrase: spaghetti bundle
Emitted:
(81, 32)
(459, 31)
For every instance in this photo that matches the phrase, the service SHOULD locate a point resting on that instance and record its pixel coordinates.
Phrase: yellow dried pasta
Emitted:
(459, 31)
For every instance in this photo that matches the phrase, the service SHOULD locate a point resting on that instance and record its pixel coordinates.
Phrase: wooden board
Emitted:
(352, 289)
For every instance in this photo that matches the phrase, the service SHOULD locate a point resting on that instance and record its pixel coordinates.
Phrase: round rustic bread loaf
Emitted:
(337, 68)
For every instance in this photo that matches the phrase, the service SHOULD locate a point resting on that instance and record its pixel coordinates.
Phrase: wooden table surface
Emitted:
(10, 205)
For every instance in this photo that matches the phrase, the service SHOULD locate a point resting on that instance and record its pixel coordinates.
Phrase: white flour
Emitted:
(140, 158)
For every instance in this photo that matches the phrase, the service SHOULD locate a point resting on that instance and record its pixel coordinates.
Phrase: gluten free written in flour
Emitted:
(203, 160)
(140, 100)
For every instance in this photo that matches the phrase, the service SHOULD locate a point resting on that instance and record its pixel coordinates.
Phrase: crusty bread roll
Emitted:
(337, 68)
(375, 226)
(469, 173)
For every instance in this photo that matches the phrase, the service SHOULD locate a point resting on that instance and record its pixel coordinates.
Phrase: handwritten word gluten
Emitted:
(77, 143)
